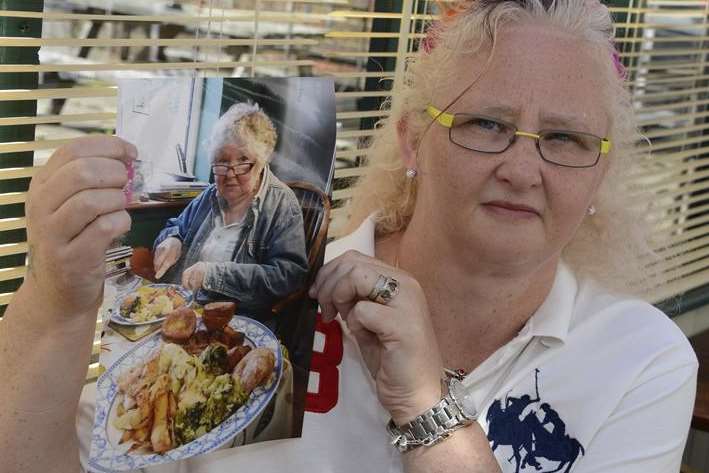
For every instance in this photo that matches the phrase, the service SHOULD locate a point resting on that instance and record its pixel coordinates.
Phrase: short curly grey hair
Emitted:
(244, 124)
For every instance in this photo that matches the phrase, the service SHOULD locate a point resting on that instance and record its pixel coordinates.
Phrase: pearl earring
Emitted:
(591, 210)
(411, 173)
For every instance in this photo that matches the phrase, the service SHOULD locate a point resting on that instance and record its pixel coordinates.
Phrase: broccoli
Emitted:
(188, 423)
(224, 397)
(215, 359)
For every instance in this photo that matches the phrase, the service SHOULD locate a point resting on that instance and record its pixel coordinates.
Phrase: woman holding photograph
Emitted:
(242, 238)
(483, 299)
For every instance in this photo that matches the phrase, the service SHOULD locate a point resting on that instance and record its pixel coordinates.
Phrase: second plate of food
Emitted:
(149, 304)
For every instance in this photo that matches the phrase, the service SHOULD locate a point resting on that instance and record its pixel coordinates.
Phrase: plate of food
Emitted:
(149, 304)
(184, 391)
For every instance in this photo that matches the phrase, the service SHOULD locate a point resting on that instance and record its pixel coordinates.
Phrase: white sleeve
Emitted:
(647, 431)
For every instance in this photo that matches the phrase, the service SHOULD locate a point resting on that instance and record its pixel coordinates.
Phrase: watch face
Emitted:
(464, 398)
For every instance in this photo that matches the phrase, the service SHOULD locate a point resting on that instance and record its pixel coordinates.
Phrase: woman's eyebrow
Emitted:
(564, 121)
(555, 120)
(502, 111)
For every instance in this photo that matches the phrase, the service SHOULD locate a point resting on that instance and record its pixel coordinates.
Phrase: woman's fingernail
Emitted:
(311, 291)
(132, 151)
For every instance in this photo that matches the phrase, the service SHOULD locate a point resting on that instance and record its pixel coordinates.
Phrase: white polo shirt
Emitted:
(594, 382)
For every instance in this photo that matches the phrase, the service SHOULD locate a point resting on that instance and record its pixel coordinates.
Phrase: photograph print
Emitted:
(207, 325)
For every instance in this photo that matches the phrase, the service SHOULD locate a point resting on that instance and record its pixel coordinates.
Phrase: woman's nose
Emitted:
(521, 164)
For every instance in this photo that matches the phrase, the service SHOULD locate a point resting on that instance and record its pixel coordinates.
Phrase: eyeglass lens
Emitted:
(239, 169)
(565, 148)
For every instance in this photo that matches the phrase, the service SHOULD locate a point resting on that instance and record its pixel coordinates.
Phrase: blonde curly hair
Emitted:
(611, 247)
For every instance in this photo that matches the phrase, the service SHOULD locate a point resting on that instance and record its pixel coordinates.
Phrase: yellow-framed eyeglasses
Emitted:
(485, 134)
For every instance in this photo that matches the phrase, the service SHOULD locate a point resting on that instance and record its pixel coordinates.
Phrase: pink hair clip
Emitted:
(619, 67)
(429, 41)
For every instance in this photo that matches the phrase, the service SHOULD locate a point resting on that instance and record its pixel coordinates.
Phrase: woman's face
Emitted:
(539, 78)
(231, 186)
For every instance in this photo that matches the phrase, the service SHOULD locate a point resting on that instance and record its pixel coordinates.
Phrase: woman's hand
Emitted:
(396, 340)
(166, 254)
(75, 209)
(193, 277)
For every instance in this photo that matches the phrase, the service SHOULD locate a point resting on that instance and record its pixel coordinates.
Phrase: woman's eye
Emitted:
(487, 125)
(560, 137)
(577, 141)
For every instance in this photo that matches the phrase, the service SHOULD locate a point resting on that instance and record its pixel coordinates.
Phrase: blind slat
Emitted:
(349, 95)
(8, 249)
(21, 146)
(10, 198)
(16, 173)
(676, 131)
(179, 19)
(378, 15)
(19, 42)
(358, 75)
(674, 93)
(14, 223)
(368, 114)
(45, 119)
(6, 297)
(352, 153)
(673, 106)
(8, 274)
(676, 287)
(151, 66)
(350, 172)
(354, 133)
(666, 40)
(365, 35)
(63, 93)
(342, 194)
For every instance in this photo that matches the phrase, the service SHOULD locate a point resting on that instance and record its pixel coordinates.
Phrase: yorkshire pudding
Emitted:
(218, 314)
(179, 325)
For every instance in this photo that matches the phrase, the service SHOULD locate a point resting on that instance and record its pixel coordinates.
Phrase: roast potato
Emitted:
(255, 368)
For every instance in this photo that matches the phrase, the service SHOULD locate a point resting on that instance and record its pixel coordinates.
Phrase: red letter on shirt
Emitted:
(325, 364)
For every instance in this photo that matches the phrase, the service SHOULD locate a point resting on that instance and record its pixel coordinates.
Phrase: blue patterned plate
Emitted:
(116, 310)
(108, 456)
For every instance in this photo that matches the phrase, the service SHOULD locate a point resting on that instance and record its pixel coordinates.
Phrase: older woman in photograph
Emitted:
(242, 238)
(484, 298)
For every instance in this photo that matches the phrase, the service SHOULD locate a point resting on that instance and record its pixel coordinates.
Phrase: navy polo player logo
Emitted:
(533, 431)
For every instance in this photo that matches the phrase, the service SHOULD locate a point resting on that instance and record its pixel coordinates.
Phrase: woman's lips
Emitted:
(510, 210)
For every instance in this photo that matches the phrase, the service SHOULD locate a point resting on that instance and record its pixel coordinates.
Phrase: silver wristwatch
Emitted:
(454, 411)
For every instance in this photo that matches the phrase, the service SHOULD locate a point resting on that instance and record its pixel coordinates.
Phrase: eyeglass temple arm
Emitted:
(605, 146)
(445, 119)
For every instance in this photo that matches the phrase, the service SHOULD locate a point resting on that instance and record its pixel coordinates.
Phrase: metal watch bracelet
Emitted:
(433, 426)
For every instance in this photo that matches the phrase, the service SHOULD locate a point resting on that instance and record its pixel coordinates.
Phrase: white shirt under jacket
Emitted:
(594, 382)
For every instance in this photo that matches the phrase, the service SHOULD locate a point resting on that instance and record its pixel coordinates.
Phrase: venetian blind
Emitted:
(364, 45)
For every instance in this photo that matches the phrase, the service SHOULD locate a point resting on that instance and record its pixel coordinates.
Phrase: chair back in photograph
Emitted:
(315, 205)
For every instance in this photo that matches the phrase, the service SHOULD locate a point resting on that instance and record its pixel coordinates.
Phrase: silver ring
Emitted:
(384, 290)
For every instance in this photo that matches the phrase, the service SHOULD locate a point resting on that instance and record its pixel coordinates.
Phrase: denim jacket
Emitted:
(266, 265)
